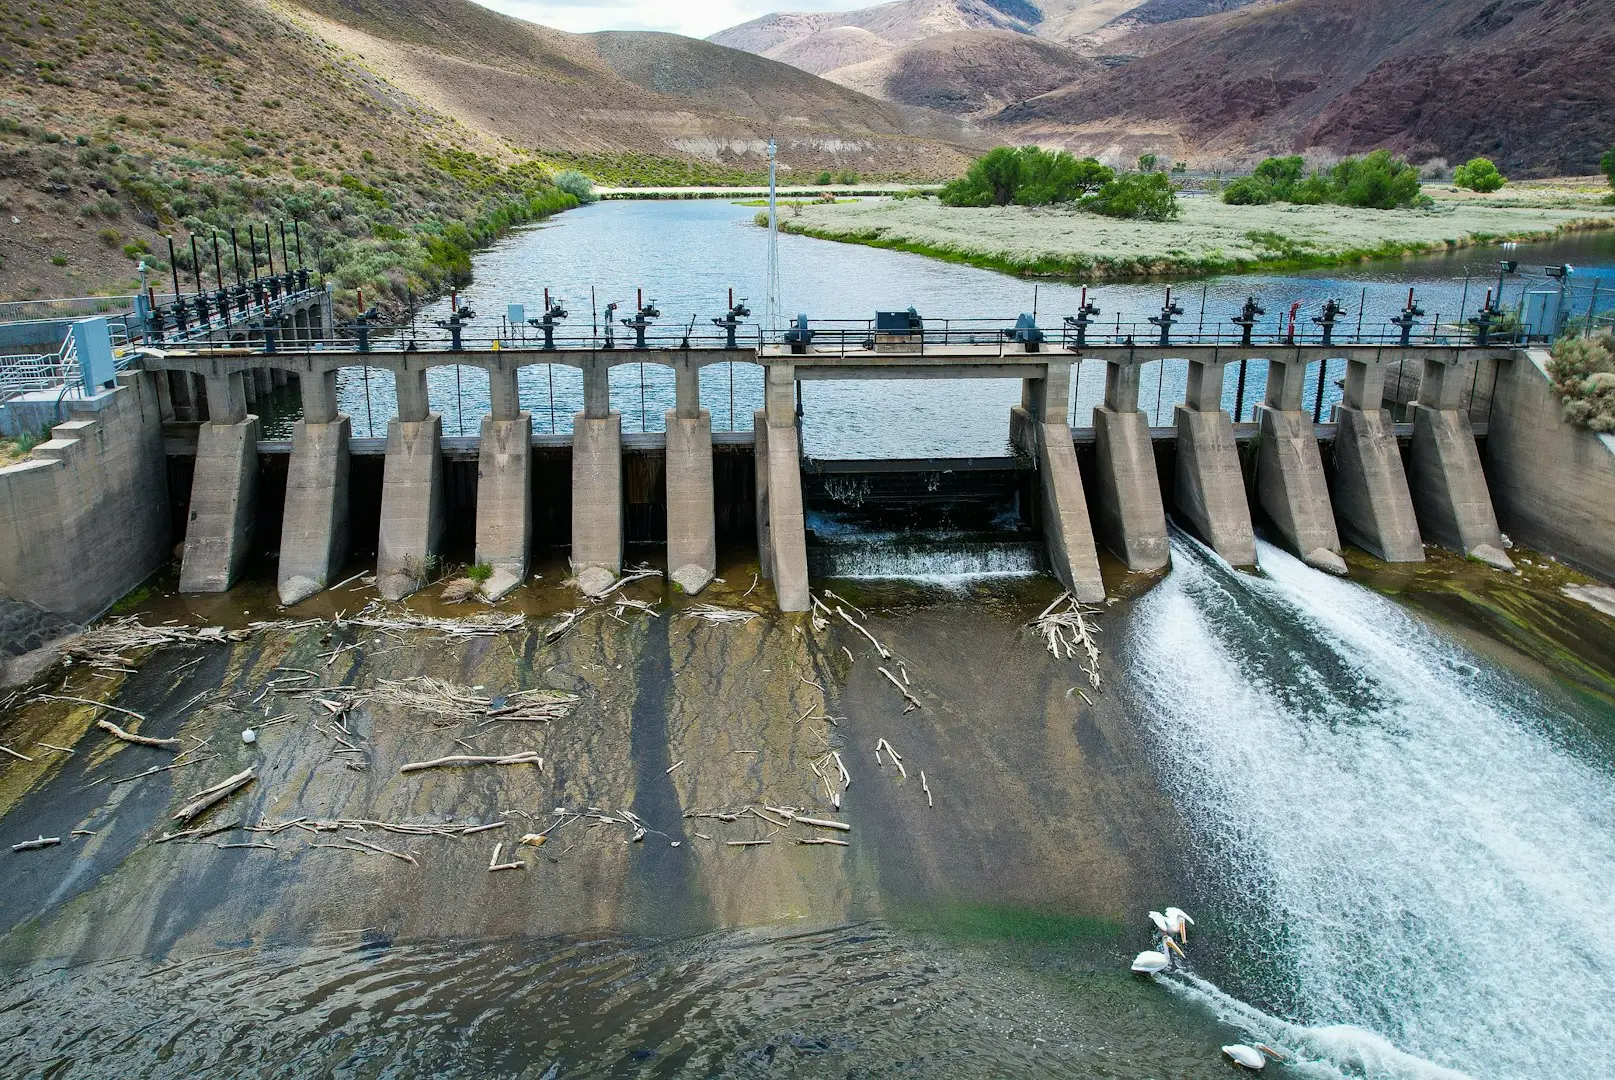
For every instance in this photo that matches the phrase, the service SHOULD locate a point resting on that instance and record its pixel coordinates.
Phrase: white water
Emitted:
(1414, 849)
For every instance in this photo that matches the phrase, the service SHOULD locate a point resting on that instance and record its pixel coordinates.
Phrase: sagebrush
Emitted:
(1583, 372)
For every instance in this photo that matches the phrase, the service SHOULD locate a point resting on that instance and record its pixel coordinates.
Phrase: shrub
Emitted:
(1029, 176)
(1583, 372)
(1607, 165)
(823, 177)
(1146, 162)
(1376, 180)
(577, 185)
(1478, 174)
(480, 572)
(1135, 196)
(846, 176)
(1247, 191)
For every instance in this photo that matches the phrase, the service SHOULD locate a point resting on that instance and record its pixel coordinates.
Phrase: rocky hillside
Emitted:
(1522, 81)
(967, 72)
(400, 134)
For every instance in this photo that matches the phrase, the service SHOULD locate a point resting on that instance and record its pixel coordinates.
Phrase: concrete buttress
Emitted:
(411, 506)
(314, 531)
(1373, 508)
(218, 530)
(504, 501)
(597, 510)
(1038, 426)
(1290, 485)
(1131, 520)
(692, 545)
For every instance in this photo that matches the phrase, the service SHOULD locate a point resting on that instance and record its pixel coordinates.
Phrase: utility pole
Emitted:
(771, 305)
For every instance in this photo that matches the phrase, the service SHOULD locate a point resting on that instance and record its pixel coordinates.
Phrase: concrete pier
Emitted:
(314, 531)
(411, 533)
(504, 487)
(692, 535)
(1038, 427)
(1131, 520)
(1450, 497)
(1290, 484)
(1209, 487)
(597, 508)
(779, 464)
(1373, 508)
(218, 532)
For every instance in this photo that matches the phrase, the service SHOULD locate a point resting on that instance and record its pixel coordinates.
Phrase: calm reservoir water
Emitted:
(687, 254)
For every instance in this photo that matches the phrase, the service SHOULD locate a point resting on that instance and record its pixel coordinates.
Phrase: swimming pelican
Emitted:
(1180, 922)
(1252, 1057)
(1248, 1056)
(1151, 962)
(1162, 923)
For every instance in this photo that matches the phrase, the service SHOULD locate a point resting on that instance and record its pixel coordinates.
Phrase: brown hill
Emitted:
(967, 72)
(1522, 81)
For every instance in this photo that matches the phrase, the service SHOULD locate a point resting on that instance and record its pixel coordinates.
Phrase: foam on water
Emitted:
(1415, 847)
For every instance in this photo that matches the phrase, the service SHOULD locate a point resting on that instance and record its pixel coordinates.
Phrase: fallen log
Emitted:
(748, 843)
(885, 654)
(910, 701)
(35, 845)
(825, 823)
(129, 737)
(527, 757)
(816, 840)
(208, 797)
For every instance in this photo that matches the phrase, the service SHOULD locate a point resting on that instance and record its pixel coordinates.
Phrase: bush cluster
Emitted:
(577, 185)
(1583, 372)
(1478, 174)
(1607, 164)
(1032, 176)
(1375, 181)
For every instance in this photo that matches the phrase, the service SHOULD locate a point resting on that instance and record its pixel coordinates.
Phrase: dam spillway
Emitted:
(1388, 484)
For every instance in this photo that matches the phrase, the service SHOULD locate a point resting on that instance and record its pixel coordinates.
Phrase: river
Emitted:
(688, 254)
(1396, 829)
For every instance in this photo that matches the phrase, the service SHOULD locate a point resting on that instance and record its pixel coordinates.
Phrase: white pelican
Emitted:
(1179, 921)
(1151, 962)
(1162, 923)
(1251, 1057)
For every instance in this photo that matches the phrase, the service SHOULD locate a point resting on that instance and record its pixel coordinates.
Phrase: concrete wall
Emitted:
(1552, 484)
(86, 518)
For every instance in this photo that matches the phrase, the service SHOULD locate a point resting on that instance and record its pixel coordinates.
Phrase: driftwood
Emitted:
(141, 740)
(910, 702)
(825, 823)
(376, 617)
(35, 845)
(1065, 628)
(19, 757)
(494, 865)
(714, 614)
(747, 843)
(198, 833)
(527, 757)
(456, 703)
(885, 653)
(897, 758)
(926, 788)
(816, 840)
(209, 797)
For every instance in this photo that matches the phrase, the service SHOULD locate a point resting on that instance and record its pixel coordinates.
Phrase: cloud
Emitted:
(693, 18)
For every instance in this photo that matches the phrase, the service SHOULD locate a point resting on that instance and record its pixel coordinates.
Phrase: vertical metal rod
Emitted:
(196, 264)
(1202, 328)
(1160, 379)
(235, 255)
(174, 267)
(1362, 301)
(731, 395)
(642, 396)
(297, 235)
(1435, 324)
(550, 370)
(269, 249)
(1317, 398)
(369, 416)
(1463, 299)
(218, 264)
(459, 402)
(285, 260)
(1239, 393)
(252, 235)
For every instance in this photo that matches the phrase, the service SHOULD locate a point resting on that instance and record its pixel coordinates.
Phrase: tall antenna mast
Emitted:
(771, 307)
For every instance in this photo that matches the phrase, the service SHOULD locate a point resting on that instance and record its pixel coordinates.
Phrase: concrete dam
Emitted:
(164, 448)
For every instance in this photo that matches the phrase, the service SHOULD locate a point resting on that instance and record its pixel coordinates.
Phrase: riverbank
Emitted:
(1209, 237)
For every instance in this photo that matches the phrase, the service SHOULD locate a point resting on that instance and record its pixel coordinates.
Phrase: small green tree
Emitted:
(1607, 163)
(576, 185)
(1478, 174)
(1147, 162)
(1376, 181)
(1028, 175)
(824, 177)
(847, 176)
(1135, 196)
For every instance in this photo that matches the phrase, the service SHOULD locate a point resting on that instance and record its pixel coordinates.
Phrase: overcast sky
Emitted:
(696, 18)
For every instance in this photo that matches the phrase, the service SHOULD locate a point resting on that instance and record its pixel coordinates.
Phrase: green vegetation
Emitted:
(1135, 197)
(1583, 372)
(1375, 181)
(479, 572)
(647, 170)
(1607, 164)
(577, 185)
(1478, 174)
(1026, 176)
(1147, 162)
(1032, 176)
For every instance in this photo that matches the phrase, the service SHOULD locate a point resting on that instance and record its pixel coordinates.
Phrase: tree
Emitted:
(1137, 196)
(1146, 162)
(1607, 164)
(1478, 174)
(577, 185)
(1028, 176)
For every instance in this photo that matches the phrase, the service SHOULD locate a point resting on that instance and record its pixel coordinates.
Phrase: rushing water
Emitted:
(687, 254)
(1417, 847)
